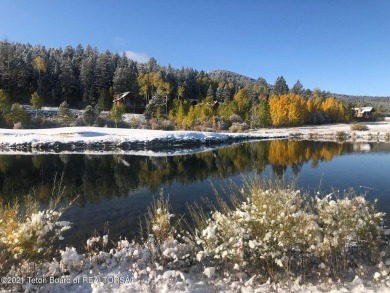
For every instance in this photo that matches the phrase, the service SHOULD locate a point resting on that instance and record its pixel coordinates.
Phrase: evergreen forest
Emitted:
(183, 98)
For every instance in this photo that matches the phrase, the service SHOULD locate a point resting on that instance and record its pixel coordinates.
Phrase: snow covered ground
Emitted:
(100, 134)
(377, 130)
(144, 141)
(90, 135)
(100, 139)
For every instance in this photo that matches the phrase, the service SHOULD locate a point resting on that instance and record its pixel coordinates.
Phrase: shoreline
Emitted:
(100, 140)
(97, 139)
(377, 131)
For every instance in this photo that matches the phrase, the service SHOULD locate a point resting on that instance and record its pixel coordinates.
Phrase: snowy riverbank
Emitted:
(145, 141)
(376, 131)
(106, 139)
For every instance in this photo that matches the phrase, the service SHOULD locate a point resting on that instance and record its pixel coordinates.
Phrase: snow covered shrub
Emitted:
(341, 135)
(161, 124)
(359, 127)
(278, 232)
(166, 125)
(263, 233)
(349, 225)
(234, 118)
(18, 125)
(220, 124)
(166, 245)
(8, 224)
(238, 127)
(96, 244)
(137, 123)
(29, 234)
(158, 220)
(70, 260)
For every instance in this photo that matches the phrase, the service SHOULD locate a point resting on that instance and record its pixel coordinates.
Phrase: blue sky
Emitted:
(342, 46)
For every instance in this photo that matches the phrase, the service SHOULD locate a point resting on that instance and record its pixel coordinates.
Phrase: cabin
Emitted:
(363, 113)
(132, 103)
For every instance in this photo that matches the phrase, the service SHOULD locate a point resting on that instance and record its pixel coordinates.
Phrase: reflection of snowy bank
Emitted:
(363, 147)
(141, 152)
(85, 139)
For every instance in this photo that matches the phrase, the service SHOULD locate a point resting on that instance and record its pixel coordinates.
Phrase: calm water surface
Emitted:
(117, 189)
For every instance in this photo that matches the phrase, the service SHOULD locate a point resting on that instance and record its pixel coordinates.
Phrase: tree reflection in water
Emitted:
(96, 177)
(117, 189)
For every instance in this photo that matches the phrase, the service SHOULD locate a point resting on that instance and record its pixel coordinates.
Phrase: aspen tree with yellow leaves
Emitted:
(243, 103)
(39, 65)
(334, 110)
(287, 110)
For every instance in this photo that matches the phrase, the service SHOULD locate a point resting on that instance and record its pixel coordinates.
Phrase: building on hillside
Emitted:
(133, 104)
(365, 113)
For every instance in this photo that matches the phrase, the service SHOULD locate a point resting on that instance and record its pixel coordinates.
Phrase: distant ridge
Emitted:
(229, 76)
(240, 80)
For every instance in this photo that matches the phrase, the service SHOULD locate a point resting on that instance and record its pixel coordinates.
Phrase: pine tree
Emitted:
(65, 116)
(105, 99)
(90, 114)
(87, 75)
(280, 87)
(156, 105)
(104, 71)
(297, 89)
(70, 88)
(210, 92)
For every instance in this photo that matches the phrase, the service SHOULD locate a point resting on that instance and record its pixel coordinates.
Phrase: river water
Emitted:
(115, 191)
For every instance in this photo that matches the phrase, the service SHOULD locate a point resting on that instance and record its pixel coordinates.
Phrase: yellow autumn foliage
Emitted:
(334, 109)
(287, 110)
(292, 152)
(313, 105)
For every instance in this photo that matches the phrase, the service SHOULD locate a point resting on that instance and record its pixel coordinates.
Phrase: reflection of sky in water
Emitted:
(364, 172)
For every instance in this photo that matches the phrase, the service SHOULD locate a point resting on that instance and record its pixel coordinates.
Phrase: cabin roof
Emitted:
(121, 96)
(364, 109)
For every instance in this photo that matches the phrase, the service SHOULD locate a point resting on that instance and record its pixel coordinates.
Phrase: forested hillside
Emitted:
(188, 98)
(82, 76)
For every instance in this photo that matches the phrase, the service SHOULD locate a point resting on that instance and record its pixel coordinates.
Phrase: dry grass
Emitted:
(359, 127)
